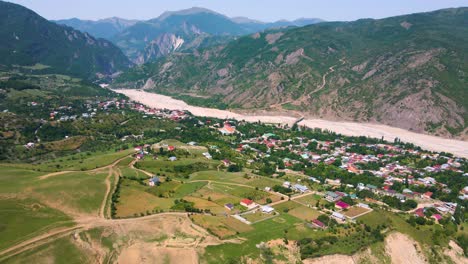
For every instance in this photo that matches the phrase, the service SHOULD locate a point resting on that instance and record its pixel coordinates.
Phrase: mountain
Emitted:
(172, 31)
(407, 71)
(28, 39)
(185, 29)
(256, 26)
(103, 28)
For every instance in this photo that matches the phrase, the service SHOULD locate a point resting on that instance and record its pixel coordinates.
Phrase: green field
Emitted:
(83, 161)
(14, 178)
(76, 193)
(221, 226)
(129, 172)
(422, 234)
(304, 213)
(257, 216)
(263, 231)
(309, 199)
(25, 218)
(165, 167)
(61, 250)
(135, 200)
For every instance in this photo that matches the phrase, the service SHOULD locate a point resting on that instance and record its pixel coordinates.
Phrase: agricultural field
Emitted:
(135, 200)
(76, 193)
(221, 226)
(270, 229)
(304, 213)
(204, 204)
(355, 211)
(84, 161)
(181, 168)
(309, 200)
(257, 216)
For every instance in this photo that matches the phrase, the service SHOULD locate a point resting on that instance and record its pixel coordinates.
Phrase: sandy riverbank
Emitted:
(457, 147)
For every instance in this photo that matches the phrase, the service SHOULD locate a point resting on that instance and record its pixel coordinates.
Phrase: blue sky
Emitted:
(265, 10)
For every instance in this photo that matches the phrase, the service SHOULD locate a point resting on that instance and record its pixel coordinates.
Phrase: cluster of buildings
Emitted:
(383, 163)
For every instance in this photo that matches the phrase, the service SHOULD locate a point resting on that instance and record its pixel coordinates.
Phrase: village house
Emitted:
(426, 195)
(207, 155)
(333, 182)
(229, 206)
(338, 216)
(267, 209)
(318, 224)
(332, 197)
(300, 188)
(30, 145)
(171, 148)
(248, 203)
(419, 212)
(314, 179)
(227, 129)
(371, 188)
(154, 181)
(363, 205)
(436, 217)
(342, 205)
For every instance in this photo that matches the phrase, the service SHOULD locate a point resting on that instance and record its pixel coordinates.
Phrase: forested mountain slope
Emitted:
(408, 71)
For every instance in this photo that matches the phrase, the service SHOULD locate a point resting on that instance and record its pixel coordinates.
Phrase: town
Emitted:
(234, 177)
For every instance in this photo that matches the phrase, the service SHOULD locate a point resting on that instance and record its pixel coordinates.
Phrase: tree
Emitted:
(234, 168)
(337, 162)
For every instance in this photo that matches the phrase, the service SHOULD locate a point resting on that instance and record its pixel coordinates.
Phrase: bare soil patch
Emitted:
(403, 249)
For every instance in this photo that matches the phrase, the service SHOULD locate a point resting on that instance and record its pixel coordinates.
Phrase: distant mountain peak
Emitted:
(242, 20)
(185, 12)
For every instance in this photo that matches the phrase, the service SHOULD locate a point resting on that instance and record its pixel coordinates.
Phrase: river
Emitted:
(457, 147)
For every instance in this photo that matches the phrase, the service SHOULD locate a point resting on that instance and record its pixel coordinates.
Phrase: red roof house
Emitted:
(342, 205)
(437, 217)
(171, 148)
(318, 223)
(247, 203)
(419, 212)
(427, 195)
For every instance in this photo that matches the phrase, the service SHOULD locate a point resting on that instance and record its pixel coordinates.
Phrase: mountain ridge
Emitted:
(141, 40)
(405, 71)
(27, 39)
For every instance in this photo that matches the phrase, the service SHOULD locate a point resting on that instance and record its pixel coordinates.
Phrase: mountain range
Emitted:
(28, 39)
(408, 71)
(144, 41)
(102, 28)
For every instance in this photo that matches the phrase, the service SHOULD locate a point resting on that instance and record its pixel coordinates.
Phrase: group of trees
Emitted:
(396, 203)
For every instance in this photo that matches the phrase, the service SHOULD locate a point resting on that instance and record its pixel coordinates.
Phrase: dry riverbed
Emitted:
(457, 147)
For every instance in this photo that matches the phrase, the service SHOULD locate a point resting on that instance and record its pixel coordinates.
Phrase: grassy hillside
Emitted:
(26, 39)
(407, 71)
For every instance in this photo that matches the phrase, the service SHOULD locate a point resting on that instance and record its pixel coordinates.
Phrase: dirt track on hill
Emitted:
(139, 251)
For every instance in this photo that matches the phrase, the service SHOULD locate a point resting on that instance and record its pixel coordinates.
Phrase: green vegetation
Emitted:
(55, 51)
(61, 250)
(418, 48)
(74, 192)
(26, 218)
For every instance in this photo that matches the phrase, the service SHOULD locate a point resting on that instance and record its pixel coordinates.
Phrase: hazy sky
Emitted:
(266, 10)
